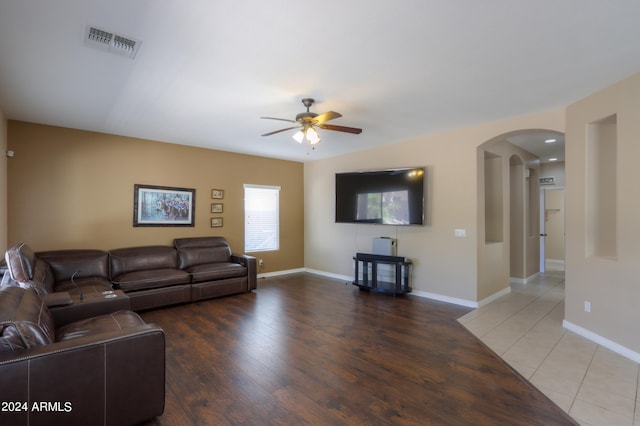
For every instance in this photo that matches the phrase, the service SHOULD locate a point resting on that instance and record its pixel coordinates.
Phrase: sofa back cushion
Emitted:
(25, 321)
(28, 270)
(20, 261)
(201, 250)
(141, 259)
(83, 263)
(43, 280)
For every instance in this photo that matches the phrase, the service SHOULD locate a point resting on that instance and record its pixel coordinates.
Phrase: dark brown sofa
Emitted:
(150, 276)
(193, 269)
(106, 370)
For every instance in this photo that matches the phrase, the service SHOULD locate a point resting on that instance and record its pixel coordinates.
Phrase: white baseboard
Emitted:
(285, 272)
(425, 294)
(554, 265)
(348, 278)
(419, 293)
(447, 299)
(602, 341)
(523, 280)
(494, 296)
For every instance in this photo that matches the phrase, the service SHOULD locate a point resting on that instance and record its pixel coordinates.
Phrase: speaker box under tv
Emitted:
(384, 246)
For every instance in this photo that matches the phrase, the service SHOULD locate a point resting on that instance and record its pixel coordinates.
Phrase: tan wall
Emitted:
(610, 283)
(443, 264)
(74, 189)
(3, 183)
(553, 169)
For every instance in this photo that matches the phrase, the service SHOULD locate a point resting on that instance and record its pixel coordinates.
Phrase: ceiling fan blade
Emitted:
(341, 128)
(281, 130)
(281, 119)
(318, 119)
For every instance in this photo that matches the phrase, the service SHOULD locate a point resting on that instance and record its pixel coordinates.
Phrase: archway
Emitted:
(508, 179)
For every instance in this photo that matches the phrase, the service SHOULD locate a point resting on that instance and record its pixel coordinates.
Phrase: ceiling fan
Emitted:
(307, 122)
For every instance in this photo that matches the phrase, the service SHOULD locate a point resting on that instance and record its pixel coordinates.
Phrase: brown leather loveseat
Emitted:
(107, 370)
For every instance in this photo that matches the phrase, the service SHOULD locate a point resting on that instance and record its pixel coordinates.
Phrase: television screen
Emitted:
(389, 197)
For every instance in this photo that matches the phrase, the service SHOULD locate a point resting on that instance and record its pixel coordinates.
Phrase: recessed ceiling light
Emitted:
(551, 141)
(553, 159)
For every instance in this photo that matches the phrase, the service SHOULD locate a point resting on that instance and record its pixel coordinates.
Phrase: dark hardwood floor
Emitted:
(304, 349)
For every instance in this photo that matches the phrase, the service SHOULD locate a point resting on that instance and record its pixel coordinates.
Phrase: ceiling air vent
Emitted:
(111, 42)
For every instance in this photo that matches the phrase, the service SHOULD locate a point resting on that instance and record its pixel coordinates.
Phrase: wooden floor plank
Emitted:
(304, 349)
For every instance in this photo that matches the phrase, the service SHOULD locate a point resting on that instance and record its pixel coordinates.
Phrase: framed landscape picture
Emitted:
(163, 206)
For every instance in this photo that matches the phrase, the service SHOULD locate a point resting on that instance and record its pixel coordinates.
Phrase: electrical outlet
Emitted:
(587, 306)
(261, 263)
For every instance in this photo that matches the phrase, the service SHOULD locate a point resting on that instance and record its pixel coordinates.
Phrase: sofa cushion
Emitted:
(216, 271)
(25, 321)
(201, 250)
(79, 263)
(125, 260)
(121, 320)
(147, 279)
(86, 285)
(42, 281)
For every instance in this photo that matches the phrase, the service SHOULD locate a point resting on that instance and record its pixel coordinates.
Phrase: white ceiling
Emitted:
(207, 70)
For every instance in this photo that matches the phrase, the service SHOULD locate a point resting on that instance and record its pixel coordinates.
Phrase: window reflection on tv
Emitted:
(389, 197)
(391, 208)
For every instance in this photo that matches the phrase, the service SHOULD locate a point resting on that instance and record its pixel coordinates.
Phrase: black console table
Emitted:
(402, 270)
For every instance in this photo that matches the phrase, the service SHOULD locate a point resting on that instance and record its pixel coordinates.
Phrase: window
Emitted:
(261, 218)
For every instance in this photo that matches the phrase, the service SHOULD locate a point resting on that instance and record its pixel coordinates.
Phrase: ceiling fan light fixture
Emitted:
(298, 136)
(307, 123)
(312, 136)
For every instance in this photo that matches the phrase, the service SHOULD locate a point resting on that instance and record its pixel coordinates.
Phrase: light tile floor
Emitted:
(590, 382)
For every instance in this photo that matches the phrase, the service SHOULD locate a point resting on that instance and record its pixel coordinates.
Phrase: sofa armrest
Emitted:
(110, 378)
(62, 298)
(92, 304)
(250, 263)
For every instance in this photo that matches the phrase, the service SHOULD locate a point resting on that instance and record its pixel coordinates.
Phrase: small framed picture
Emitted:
(216, 222)
(216, 207)
(217, 194)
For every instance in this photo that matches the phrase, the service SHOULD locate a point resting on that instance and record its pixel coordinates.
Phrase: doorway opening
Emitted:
(552, 225)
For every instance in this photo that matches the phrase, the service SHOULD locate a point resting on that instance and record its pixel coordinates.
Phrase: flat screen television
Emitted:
(388, 197)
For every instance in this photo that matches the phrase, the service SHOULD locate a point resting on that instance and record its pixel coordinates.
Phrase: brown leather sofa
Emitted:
(106, 370)
(193, 269)
(150, 276)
